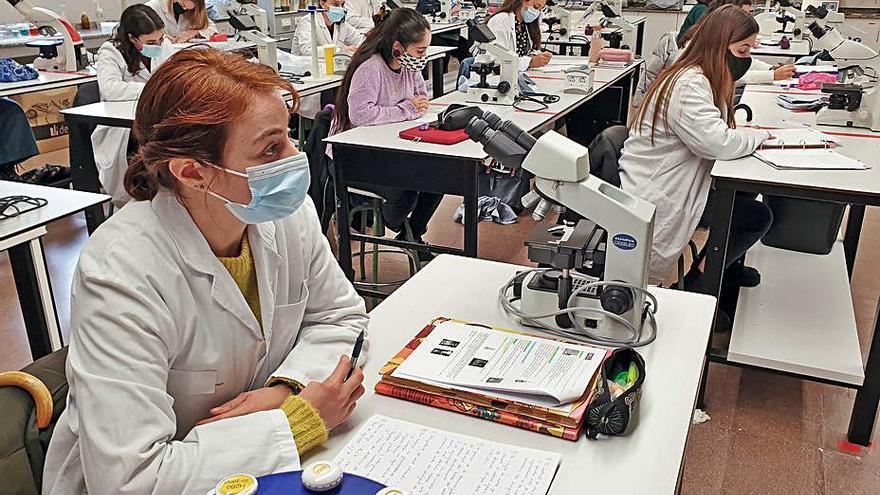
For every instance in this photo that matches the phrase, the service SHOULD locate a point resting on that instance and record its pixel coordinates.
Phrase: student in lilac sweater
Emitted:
(384, 84)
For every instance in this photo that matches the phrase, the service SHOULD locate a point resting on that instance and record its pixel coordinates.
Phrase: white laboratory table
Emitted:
(584, 44)
(446, 27)
(47, 80)
(648, 461)
(450, 169)
(92, 39)
(21, 237)
(798, 48)
(800, 320)
(121, 114)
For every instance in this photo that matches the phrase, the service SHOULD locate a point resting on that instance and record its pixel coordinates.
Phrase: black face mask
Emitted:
(738, 66)
(178, 10)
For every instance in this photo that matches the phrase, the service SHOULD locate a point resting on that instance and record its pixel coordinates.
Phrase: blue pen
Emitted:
(355, 354)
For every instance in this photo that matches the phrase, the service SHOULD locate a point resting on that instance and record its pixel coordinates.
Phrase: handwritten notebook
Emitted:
(426, 461)
(808, 159)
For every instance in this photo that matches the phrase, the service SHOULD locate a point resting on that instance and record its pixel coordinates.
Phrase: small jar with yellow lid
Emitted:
(237, 484)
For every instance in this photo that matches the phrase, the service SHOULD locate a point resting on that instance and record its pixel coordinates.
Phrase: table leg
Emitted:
(83, 171)
(35, 297)
(437, 77)
(471, 222)
(851, 238)
(864, 413)
(716, 247)
(640, 38)
(343, 228)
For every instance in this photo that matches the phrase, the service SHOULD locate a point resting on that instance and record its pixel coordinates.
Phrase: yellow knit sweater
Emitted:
(306, 424)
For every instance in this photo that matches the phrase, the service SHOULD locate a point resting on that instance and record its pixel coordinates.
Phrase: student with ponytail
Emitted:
(124, 65)
(685, 124)
(208, 316)
(384, 84)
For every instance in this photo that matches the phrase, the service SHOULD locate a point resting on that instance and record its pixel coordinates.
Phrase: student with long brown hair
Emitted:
(517, 27)
(384, 84)
(685, 124)
(184, 19)
(209, 319)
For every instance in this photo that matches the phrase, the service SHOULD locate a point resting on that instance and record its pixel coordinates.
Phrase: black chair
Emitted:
(32, 400)
(83, 171)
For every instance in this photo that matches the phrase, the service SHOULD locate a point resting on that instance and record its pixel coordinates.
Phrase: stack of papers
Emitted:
(425, 461)
(801, 102)
(529, 382)
(804, 69)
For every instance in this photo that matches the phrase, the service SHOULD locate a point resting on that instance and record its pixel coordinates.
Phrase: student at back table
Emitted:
(685, 125)
(384, 84)
(125, 62)
(184, 19)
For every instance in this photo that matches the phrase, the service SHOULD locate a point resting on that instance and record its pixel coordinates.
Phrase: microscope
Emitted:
(559, 16)
(594, 288)
(775, 20)
(856, 62)
(605, 14)
(440, 11)
(73, 56)
(850, 105)
(247, 27)
(504, 62)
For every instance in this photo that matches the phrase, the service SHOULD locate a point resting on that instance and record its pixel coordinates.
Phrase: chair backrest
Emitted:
(22, 445)
(605, 151)
(319, 166)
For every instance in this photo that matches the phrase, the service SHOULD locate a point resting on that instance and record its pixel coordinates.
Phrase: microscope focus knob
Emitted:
(617, 300)
(503, 87)
(484, 97)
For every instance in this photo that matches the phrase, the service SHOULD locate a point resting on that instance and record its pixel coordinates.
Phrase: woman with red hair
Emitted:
(209, 319)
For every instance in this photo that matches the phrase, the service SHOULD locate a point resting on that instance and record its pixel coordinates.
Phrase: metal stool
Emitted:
(374, 207)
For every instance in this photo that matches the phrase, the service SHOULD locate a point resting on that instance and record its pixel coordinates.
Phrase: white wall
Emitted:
(73, 9)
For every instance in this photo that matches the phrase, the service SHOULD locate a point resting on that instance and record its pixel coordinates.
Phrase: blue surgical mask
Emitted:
(336, 14)
(151, 51)
(530, 15)
(277, 189)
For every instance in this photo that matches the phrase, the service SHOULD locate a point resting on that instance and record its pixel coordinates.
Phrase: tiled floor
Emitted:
(768, 434)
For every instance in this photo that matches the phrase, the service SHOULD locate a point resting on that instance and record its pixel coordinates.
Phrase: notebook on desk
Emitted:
(799, 138)
(808, 159)
(420, 460)
(466, 368)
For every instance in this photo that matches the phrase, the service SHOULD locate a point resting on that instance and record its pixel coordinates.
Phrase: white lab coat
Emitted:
(360, 13)
(160, 334)
(344, 34)
(110, 144)
(760, 72)
(673, 171)
(503, 26)
(173, 28)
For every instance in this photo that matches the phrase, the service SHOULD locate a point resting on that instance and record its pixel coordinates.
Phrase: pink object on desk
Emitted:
(615, 55)
(814, 80)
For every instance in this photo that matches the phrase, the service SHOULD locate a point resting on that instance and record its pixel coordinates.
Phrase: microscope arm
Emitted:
(45, 17)
(561, 167)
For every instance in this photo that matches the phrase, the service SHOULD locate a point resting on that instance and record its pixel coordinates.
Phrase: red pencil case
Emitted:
(433, 135)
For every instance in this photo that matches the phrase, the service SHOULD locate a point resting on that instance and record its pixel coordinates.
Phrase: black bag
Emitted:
(505, 184)
(610, 415)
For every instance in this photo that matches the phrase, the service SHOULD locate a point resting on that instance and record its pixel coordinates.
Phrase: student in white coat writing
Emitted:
(333, 29)
(361, 12)
(124, 65)
(517, 27)
(184, 19)
(685, 124)
(210, 322)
